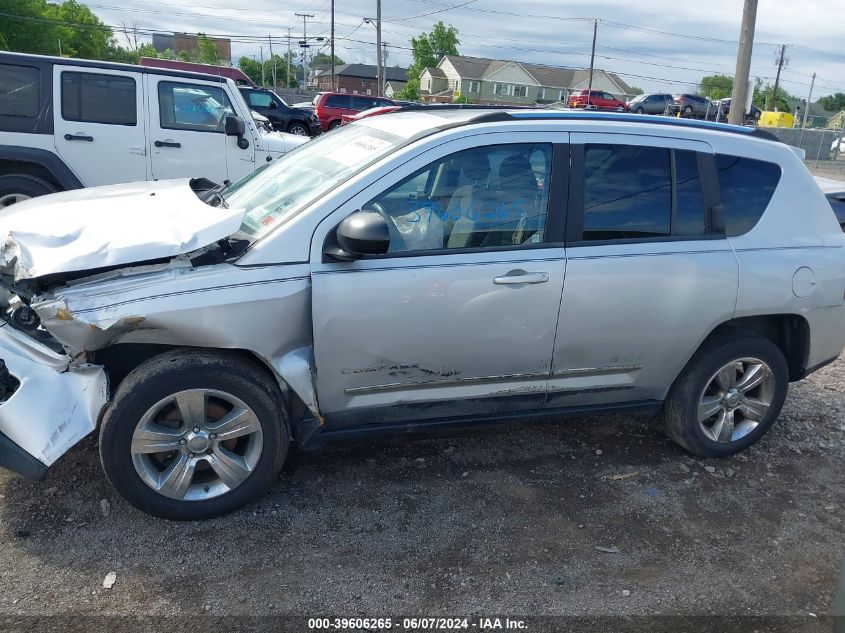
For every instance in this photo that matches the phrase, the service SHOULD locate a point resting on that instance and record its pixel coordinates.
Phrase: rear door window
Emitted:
(364, 103)
(747, 188)
(629, 193)
(99, 98)
(19, 91)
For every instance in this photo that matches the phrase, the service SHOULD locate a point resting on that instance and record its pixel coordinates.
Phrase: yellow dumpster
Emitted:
(776, 119)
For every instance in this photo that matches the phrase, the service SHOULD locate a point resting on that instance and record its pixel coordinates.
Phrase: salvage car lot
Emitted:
(502, 520)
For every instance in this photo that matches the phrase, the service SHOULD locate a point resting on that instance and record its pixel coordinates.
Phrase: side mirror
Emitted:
(235, 126)
(273, 104)
(359, 234)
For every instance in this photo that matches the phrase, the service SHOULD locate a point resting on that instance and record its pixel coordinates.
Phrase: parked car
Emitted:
(69, 123)
(724, 109)
(349, 118)
(283, 117)
(408, 271)
(598, 100)
(834, 191)
(692, 106)
(331, 106)
(649, 104)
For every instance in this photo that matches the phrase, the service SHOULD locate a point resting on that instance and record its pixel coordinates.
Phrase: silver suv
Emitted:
(416, 268)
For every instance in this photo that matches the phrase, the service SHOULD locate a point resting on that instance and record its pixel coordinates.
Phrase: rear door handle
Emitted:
(167, 144)
(79, 137)
(521, 277)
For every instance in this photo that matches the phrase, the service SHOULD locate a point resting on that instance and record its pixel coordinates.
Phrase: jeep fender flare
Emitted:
(55, 166)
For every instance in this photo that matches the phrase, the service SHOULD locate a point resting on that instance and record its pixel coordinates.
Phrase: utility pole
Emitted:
(287, 77)
(272, 59)
(739, 95)
(304, 45)
(780, 63)
(261, 50)
(809, 98)
(592, 63)
(379, 71)
(384, 66)
(334, 84)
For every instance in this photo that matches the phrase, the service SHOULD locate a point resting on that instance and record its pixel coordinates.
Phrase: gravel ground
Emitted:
(599, 516)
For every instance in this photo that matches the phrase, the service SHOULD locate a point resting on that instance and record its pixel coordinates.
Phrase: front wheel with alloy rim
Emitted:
(298, 128)
(728, 396)
(191, 435)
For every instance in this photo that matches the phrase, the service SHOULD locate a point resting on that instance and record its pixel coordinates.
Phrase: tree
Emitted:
(325, 59)
(834, 102)
(427, 50)
(636, 90)
(207, 52)
(251, 69)
(716, 86)
(459, 98)
(47, 29)
(765, 99)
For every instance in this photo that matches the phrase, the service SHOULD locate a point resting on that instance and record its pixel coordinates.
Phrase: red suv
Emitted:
(331, 106)
(598, 100)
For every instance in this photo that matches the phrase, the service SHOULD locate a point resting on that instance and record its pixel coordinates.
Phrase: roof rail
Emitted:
(516, 113)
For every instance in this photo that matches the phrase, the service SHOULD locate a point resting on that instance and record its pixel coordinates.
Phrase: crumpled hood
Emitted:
(115, 225)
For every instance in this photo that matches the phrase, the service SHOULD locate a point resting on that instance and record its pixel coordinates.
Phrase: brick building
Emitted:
(358, 78)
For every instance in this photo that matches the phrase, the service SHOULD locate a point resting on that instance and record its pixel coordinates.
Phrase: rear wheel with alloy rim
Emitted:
(191, 434)
(728, 395)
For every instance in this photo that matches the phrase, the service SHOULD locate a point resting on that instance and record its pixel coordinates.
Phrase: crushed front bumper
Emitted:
(51, 406)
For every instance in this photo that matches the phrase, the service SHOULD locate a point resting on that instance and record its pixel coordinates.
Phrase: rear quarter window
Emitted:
(337, 101)
(747, 188)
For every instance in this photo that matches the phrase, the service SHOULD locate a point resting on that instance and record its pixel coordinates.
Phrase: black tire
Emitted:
(298, 127)
(22, 186)
(680, 411)
(334, 124)
(168, 374)
(639, 110)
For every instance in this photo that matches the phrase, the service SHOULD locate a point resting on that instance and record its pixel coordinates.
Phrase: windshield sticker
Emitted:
(358, 151)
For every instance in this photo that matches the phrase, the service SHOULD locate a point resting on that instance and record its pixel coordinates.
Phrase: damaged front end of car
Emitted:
(49, 400)
(52, 391)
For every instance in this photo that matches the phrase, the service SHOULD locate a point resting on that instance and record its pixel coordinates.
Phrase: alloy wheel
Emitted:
(298, 129)
(736, 400)
(196, 444)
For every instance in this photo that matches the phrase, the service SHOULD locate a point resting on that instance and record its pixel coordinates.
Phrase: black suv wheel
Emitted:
(19, 187)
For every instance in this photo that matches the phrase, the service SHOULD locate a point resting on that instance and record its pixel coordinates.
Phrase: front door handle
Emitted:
(167, 144)
(79, 137)
(521, 277)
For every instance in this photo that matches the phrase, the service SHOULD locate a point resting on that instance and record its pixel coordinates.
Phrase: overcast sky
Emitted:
(542, 31)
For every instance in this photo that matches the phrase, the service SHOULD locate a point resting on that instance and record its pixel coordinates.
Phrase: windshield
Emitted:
(274, 194)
